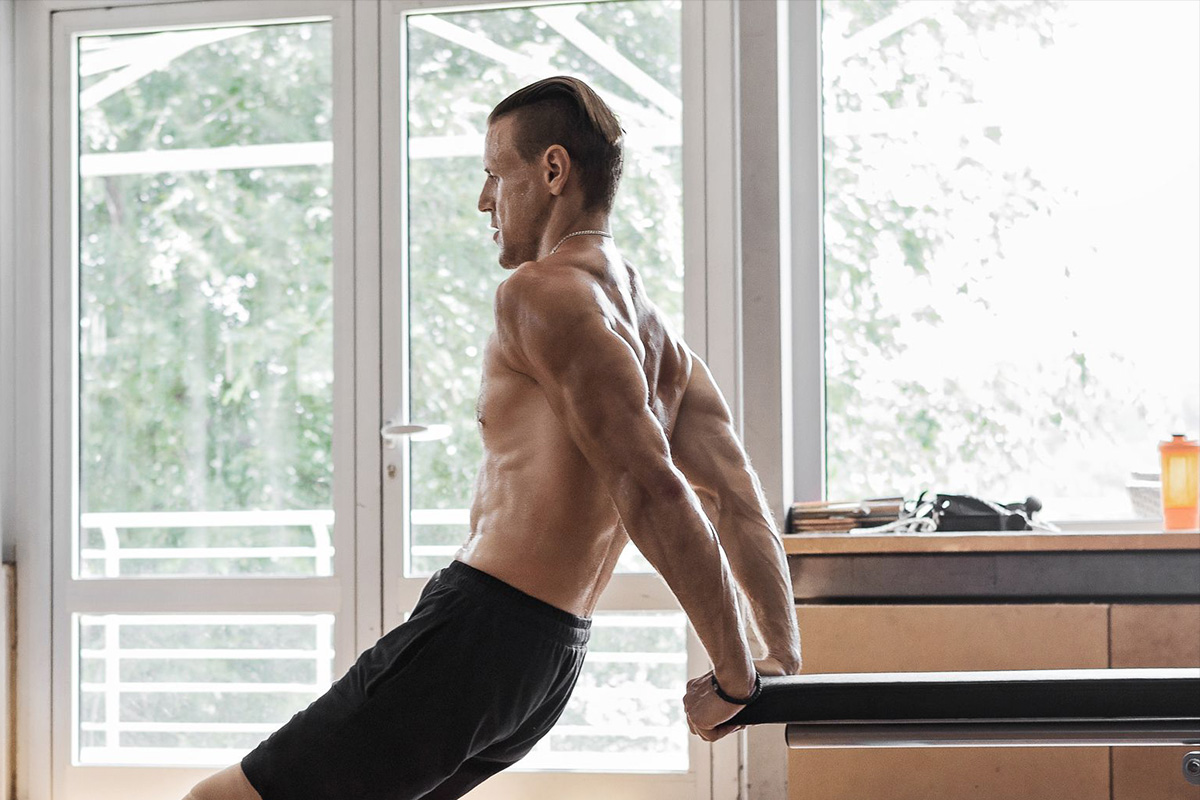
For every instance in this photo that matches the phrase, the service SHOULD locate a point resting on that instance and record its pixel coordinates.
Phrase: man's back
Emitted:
(541, 519)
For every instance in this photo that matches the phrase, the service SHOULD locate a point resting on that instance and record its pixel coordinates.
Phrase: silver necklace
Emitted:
(578, 233)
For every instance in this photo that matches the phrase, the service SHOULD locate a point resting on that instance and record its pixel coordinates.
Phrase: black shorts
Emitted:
(476, 676)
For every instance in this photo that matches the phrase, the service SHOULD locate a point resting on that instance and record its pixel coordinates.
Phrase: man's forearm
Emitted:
(759, 563)
(668, 524)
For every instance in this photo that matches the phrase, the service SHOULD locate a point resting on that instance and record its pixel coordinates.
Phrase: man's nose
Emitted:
(485, 201)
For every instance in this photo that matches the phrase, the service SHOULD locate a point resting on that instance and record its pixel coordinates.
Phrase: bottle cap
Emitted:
(1177, 442)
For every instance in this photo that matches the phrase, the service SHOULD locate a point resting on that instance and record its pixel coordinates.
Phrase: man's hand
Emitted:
(705, 711)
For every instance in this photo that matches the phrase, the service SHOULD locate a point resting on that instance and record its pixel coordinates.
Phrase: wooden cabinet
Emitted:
(1153, 636)
(908, 638)
(927, 638)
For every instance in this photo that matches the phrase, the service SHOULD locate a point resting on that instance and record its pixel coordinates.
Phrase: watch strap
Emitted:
(740, 701)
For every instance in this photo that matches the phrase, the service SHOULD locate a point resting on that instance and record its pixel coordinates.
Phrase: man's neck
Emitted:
(556, 231)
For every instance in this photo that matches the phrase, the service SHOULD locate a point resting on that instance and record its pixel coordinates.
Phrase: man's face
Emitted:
(514, 194)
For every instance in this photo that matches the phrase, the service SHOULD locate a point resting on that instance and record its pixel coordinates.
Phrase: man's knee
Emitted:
(228, 784)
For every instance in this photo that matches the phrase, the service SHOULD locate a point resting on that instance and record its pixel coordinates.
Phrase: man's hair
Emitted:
(567, 112)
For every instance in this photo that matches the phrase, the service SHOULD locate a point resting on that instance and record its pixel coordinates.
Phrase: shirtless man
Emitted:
(599, 426)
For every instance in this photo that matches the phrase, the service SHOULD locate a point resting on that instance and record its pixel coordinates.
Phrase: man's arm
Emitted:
(552, 329)
(706, 448)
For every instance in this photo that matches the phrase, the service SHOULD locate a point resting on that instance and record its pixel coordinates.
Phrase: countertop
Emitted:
(986, 542)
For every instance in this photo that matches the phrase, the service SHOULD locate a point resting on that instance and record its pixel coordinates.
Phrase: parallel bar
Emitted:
(1120, 702)
(993, 734)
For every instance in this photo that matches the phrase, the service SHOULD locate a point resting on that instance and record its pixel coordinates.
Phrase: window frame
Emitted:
(802, 202)
(57, 594)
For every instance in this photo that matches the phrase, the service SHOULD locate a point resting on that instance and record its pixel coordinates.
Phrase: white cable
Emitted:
(908, 525)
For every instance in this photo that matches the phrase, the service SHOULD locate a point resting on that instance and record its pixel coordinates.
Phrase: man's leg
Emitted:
(358, 738)
(502, 754)
(397, 724)
(473, 772)
(228, 784)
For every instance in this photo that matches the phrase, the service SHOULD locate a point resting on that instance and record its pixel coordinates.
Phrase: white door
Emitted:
(444, 66)
(204, 536)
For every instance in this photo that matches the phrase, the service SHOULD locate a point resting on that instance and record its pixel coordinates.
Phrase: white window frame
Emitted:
(802, 205)
(46, 412)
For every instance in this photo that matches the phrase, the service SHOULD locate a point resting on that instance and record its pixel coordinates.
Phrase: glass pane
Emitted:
(625, 714)
(1010, 247)
(205, 302)
(194, 689)
(460, 65)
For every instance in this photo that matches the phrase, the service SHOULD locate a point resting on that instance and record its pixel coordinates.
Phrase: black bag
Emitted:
(963, 512)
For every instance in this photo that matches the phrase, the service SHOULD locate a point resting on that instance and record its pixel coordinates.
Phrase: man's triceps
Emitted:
(706, 448)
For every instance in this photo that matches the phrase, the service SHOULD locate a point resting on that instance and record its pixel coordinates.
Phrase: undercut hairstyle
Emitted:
(567, 112)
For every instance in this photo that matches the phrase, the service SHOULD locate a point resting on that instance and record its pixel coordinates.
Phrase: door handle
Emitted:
(393, 431)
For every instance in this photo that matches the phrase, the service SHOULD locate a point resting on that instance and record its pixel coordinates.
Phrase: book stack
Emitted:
(822, 516)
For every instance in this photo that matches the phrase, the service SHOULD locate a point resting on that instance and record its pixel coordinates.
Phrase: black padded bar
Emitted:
(1115, 699)
(978, 733)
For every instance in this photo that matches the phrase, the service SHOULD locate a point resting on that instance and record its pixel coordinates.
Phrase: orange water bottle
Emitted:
(1180, 483)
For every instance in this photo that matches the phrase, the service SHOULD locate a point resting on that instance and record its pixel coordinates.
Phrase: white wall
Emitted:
(7, 421)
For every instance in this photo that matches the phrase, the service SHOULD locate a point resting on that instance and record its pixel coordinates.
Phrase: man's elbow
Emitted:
(646, 488)
(649, 503)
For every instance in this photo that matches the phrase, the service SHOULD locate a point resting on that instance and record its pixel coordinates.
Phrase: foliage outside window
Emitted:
(1011, 196)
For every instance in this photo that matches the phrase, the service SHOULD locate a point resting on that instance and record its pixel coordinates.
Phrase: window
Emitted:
(204, 539)
(205, 302)
(1010, 251)
(459, 65)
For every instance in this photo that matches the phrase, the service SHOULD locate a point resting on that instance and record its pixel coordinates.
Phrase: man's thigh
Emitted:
(503, 753)
(392, 727)
(228, 784)
(465, 673)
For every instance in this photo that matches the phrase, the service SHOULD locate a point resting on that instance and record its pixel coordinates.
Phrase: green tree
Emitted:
(919, 220)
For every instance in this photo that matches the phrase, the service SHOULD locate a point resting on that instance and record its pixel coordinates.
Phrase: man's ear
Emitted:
(556, 164)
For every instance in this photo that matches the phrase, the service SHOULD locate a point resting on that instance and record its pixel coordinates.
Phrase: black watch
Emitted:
(740, 701)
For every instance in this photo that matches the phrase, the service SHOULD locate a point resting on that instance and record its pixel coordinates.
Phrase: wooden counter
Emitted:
(904, 602)
(1091, 566)
(985, 542)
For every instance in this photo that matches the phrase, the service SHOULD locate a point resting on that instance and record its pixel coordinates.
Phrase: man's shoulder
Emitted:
(545, 289)
(548, 315)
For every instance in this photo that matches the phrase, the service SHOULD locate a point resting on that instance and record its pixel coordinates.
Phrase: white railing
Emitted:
(111, 687)
(318, 521)
(112, 654)
(438, 516)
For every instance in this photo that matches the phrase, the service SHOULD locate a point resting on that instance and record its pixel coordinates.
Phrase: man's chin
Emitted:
(508, 261)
